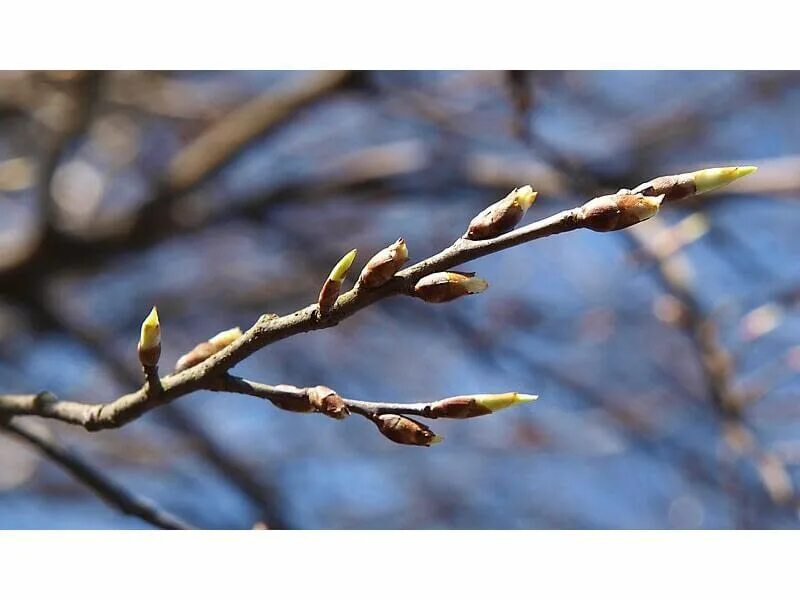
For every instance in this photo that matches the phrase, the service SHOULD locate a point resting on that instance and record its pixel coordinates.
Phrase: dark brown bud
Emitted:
(403, 430)
(502, 216)
(443, 287)
(327, 402)
(617, 211)
(205, 349)
(382, 267)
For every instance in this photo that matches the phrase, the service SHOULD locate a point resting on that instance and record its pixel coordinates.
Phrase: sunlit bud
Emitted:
(149, 347)
(205, 349)
(403, 430)
(711, 179)
(327, 402)
(225, 338)
(382, 267)
(686, 185)
(340, 270)
(333, 284)
(503, 215)
(617, 211)
(476, 405)
(443, 287)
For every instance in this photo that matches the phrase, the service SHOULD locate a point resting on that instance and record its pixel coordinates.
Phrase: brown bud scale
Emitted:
(458, 407)
(444, 287)
(382, 267)
(296, 400)
(617, 211)
(403, 430)
(495, 221)
(328, 295)
(673, 187)
(148, 357)
(327, 402)
(502, 216)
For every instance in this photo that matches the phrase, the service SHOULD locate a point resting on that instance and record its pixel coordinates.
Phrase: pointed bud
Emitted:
(327, 402)
(443, 287)
(711, 179)
(403, 430)
(149, 346)
(618, 211)
(382, 267)
(340, 270)
(502, 216)
(205, 349)
(686, 185)
(495, 402)
(333, 284)
(476, 405)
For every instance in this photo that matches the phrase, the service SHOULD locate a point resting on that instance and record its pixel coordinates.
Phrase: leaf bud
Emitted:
(503, 215)
(333, 284)
(447, 286)
(403, 430)
(149, 347)
(205, 349)
(382, 267)
(327, 402)
(617, 211)
(476, 405)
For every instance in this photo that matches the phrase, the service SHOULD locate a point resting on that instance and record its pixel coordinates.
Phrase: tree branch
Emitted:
(97, 482)
(600, 214)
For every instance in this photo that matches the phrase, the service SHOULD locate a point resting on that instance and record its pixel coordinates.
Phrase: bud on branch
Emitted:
(403, 430)
(685, 185)
(503, 215)
(333, 284)
(205, 349)
(617, 211)
(149, 347)
(476, 405)
(443, 287)
(326, 401)
(382, 267)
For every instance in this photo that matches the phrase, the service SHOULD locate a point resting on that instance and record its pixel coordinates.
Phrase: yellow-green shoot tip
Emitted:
(341, 268)
(711, 179)
(436, 439)
(525, 196)
(151, 331)
(495, 402)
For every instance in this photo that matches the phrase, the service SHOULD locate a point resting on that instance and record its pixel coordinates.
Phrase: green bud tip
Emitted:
(436, 439)
(341, 268)
(495, 402)
(151, 331)
(711, 179)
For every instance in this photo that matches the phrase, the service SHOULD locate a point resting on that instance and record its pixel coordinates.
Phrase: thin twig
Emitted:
(95, 480)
